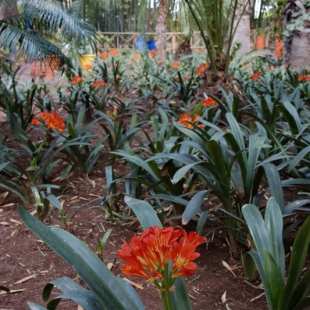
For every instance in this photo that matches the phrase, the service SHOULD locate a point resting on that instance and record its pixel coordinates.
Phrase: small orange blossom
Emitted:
(52, 120)
(77, 79)
(303, 78)
(103, 56)
(255, 76)
(188, 121)
(175, 64)
(114, 52)
(99, 84)
(201, 69)
(209, 102)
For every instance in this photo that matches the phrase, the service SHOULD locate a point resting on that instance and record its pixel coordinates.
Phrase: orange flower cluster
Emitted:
(99, 84)
(149, 256)
(137, 55)
(209, 102)
(188, 121)
(103, 56)
(201, 69)
(52, 120)
(114, 52)
(77, 79)
(175, 64)
(185, 78)
(132, 60)
(255, 76)
(152, 53)
(87, 67)
(303, 78)
(112, 114)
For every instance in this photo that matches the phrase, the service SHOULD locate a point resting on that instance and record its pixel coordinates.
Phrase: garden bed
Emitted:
(27, 265)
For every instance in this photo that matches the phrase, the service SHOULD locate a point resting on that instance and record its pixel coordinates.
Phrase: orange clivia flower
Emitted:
(148, 256)
(87, 67)
(103, 56)
(209, 102)
(114, 52)
(175, 64)
(201, 69)
(185, 78)
(137, 55)
(99, 84)
(188, 121)
(132, 60)
(255, 76)
(303, 78)
(52, 120)
(152, 53)
(112, 114)
(77, 79)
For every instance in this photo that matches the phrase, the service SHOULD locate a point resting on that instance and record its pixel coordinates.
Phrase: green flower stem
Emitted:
(167, 300)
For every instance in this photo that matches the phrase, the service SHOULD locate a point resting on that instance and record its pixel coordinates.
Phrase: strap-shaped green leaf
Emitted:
(303, 304)
(298, 258)
(257, 229)
(274, 182)
(301, 291)
(274, 228)
(275, 281)
(194, 206)
(34, 306)
(71, 291)
(144, 212)
(250, 259)
(96, 275)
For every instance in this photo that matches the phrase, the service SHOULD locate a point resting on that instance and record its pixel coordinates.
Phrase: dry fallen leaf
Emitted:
(15, 221)
(223, 298)
(228, 267)
(134, 284)
(80, 308)
(4, 195)
(4, 223)
(110, 265)
(13, 291)
(14, 233)
(257, 297)
(8, 205)
(26, 279)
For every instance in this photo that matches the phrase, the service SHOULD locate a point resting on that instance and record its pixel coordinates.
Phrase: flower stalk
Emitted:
(167, 300)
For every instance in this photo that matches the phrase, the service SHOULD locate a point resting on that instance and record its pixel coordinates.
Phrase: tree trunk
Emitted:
(296, 51)
(299, 57)
(161, 32)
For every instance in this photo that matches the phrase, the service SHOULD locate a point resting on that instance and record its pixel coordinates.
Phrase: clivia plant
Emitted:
(160, 255)
(282, 292)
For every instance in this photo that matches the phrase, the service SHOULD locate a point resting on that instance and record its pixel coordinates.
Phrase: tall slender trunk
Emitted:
(161, 32)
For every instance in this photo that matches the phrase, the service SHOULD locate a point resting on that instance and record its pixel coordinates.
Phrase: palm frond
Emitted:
(47, 18)
(53, 16)
(31, 45)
